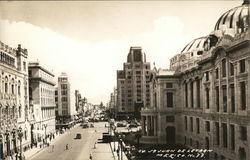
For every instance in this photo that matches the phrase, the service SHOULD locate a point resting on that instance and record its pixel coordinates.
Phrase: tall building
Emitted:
(15, 113)
(133, 92)
(42, 100)
(78, 99)
(205, 101)
(65, 104)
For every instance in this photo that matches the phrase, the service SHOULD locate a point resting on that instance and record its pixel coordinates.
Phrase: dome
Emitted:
(235, 19)
(195, 45)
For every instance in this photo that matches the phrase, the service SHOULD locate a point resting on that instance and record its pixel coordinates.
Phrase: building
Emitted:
(78, 99)
(208, 92)
(42, 100)
(65, 100)
(133, 92)
(15, 113)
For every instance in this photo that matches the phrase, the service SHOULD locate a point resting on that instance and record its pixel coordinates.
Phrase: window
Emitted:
(6, 87)
(186, 94)
(185, 122)
(24, 66)
(243, 133)
(216, 73)
(224, 93)
(170, 99)
(207, 76)
(217, 132)
(207, 126)
(170, 118)
(198, 125)
(232, 132)
(243, 95)
(224, 134)
(232, 98)
(242, 66)
(224, 71)
(12, 89)
(207, 97)
(192, 94)
(217, 98)
(198, 92)
(231, 69)
(191, 124)
(137, 56)
(138, 72)
(19, 90)
(169, 85)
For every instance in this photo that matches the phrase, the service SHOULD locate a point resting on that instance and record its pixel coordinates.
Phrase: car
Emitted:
(132, 125)
(121, 124)
(91, 125)
(85, 125)
(78, 136)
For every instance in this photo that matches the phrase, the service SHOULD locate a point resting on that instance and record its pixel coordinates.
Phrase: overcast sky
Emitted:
(90, 40)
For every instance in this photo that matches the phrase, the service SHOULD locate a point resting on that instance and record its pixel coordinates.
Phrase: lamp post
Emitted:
(20, 135)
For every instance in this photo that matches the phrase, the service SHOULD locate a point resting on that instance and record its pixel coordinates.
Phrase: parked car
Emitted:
(121, 124)
(85, 125)
(78, 136)
(132, 125)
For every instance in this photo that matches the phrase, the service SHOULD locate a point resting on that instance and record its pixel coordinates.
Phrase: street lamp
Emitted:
(20, 135)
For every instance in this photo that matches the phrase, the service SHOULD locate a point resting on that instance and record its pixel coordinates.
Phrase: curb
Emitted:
(112, 150)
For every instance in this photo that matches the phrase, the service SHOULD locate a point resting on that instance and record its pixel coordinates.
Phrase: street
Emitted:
(79, 149)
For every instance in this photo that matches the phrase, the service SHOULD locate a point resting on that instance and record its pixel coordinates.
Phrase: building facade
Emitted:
(15, 113)
(133, 91)
(65, 104)
(42, 100)
(210, 85)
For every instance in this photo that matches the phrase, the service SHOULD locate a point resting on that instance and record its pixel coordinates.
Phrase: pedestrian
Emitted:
(90, 156)
(52, 148)
(67, 146)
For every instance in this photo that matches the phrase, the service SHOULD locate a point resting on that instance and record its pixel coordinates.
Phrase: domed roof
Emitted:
(237, 17)
(196, 44)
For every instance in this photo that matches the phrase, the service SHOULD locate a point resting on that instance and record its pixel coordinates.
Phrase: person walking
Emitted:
(52, 148)
(67, 146)
(90, 156)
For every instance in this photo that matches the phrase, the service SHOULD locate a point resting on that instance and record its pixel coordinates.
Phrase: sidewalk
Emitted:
(114, 145)
(29, 153)
(102, 152)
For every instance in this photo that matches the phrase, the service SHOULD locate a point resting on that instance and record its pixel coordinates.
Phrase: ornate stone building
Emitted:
(15, 113)
(133, 92)
(209, 92)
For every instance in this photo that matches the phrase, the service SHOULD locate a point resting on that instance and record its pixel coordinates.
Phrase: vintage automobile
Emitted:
(78, 136)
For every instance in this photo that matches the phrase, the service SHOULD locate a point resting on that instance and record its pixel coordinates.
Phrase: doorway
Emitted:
(170, 135)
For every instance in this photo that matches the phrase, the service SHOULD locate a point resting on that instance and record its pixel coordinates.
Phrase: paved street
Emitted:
(79, 149)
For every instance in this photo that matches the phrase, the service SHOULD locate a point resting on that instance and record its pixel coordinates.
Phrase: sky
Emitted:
(90, 40)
